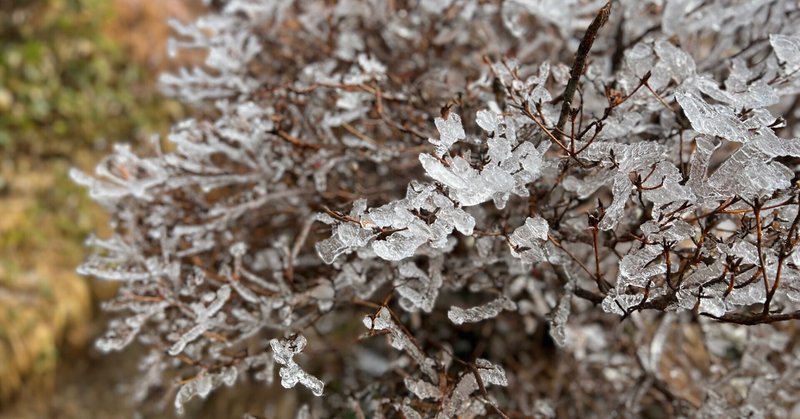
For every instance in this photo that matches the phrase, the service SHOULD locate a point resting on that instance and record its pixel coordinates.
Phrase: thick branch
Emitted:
(579, 64)
(756, 318)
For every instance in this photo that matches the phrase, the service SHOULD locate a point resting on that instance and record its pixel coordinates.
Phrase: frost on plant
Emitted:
(475, 314)
(291, 373)
(466, 208)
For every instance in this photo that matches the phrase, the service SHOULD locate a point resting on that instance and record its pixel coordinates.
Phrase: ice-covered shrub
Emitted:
(549, 208)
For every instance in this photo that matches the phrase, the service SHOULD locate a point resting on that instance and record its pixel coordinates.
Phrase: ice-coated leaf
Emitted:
(713, 305)
(437, 6)
(304, 413)
(398, 246)
(459, 402)
(773, 146)
(487, 120)
(714, 120)
(419, 290)
(491, 373)
(324, 293)
(748, 173)
(371, 65)
(345, 238)
(435, 169)
(528, 240)
(622, 191)
(535, 228)
(291, 374)
(121, 333)
(499, 149)
(619, 304)
(203, 385)
(461, 220)
(489, 310)
(677, 64)
(560, 315)
(787, 48)
(450, 131)
(245, 292)
(399, 340)
(740, 92)
(203, 320)
(488, 184)
(423, 389)
(638, 266)
(699, 164)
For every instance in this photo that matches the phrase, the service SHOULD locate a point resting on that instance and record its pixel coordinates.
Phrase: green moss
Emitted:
(67, 89)
(65, 84)
(46, 358)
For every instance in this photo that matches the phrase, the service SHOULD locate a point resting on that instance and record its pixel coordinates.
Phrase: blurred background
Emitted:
(75, 77)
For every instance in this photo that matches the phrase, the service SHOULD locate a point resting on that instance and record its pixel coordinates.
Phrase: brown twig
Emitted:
(579, 64)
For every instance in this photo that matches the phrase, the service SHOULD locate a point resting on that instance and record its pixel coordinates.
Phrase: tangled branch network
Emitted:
(552, 208)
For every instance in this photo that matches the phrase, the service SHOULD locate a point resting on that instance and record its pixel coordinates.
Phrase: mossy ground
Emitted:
(74, 78)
